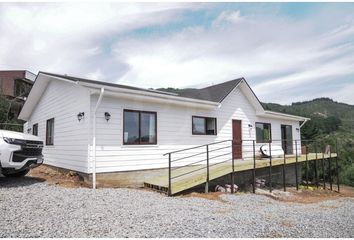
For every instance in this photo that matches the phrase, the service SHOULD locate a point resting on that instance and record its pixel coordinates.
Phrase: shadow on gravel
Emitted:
(19, 182)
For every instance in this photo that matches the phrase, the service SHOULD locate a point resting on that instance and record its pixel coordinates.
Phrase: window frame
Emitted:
(139, 121)
(47, 143)
(35, 126)
(270, 132)
(205, 126)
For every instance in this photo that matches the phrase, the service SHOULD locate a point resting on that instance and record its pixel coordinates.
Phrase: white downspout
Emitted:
(94, 140)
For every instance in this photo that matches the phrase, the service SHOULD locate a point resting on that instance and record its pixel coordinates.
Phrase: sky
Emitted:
(287, 52)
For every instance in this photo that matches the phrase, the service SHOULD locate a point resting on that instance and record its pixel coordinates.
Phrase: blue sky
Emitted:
(288, 52)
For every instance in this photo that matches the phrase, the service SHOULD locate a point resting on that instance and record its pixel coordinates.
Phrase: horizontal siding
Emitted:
(64, 101)
(174, 132)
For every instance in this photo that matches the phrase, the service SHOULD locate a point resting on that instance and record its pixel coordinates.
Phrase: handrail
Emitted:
(182, 158)
(248, 146)
(204, 145)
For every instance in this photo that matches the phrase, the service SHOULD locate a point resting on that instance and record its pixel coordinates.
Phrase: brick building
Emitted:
(15, 86)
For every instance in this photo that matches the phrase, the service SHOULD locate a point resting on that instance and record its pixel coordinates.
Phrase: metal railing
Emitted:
(185, 162)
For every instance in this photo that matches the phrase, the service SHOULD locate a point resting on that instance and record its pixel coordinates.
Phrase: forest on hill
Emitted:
(331, 122)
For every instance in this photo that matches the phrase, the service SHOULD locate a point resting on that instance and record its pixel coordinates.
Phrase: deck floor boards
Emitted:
(199, 176)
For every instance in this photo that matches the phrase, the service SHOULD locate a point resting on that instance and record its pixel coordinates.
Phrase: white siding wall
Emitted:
(174, 131)
(63, 101)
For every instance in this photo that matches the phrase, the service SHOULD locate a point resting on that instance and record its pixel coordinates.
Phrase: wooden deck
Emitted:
(198, 177)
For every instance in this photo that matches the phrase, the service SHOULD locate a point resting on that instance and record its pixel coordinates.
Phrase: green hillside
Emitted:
(327, 116)
(332, 122)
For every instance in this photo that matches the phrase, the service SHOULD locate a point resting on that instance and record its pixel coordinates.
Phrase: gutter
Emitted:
(152, 94)
(94, 139)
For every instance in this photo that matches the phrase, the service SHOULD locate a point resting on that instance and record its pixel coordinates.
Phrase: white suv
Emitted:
(19, 153)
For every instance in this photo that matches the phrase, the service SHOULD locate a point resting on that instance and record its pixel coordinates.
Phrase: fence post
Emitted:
(337, 167)
(284, 183)
(169, 175)
(270, 166)
(296, 161)
(316, 174)
(254, 167)
(233, 168)
(307, 166)
(323, 170)
(207, 178)
(330, 168)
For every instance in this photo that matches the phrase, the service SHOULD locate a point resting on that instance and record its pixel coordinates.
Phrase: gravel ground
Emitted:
(34, 209)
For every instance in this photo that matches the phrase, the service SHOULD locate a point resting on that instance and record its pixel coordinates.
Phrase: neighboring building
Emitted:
(128, 129)
(15, 86)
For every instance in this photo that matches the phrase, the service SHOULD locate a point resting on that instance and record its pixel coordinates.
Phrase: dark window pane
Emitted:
(131, 127)
(35, 129)
(263, 132)
(198, 125)
(210, 126)
(148, 128)
(50, 132)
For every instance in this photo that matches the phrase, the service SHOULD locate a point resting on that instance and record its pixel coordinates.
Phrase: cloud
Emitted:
(228, 17)
(72, 37)
(284, 58)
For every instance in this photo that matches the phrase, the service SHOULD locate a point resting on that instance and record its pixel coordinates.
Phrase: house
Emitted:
(123, 132)
(15, 86)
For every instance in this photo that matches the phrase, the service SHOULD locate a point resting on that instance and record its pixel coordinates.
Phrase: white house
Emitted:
(92, 126)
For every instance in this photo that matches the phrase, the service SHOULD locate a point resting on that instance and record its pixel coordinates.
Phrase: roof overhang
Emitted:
(250, 95)
(42, 81)
(149, 96)
(271, 114)
(38, 88)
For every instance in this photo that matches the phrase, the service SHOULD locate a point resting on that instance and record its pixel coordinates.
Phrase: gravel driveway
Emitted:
(31, 208)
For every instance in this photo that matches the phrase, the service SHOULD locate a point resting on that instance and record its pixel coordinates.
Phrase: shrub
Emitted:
(347, 176)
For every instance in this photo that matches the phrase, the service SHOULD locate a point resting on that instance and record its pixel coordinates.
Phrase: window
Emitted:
(203, 126)
(35, 129)
(263, 132)
(22, 88)
(49, 140)
(139, 127)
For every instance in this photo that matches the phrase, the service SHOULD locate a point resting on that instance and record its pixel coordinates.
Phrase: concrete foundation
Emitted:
(244, 179)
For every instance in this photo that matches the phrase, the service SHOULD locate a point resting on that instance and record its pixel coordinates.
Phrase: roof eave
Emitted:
(267, 113)
(141, 93)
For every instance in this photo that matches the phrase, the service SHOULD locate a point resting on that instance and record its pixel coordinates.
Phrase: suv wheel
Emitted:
(16, 174)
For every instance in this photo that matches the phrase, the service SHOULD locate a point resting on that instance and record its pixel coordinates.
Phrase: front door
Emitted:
(237, 139)
(287, 138)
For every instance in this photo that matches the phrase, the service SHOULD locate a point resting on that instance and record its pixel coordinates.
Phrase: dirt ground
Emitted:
(304, 195)
(54, 177)
(311, 195)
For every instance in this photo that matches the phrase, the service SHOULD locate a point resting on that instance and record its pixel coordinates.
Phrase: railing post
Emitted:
(207, 177)
(270, 166)
(316, 174)
(233, 169)
(296, 161)
(284, 177)
(254, 167)
(330, 168)
(169, 175)
(323, 171)
(307, 167)
(337, 167)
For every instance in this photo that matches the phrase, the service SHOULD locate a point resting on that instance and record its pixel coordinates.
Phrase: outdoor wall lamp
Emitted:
(250, 125)
(107, 116)
(297, 129)
(80, 116)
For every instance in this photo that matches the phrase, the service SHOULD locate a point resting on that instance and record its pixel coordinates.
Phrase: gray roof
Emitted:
(214, 93)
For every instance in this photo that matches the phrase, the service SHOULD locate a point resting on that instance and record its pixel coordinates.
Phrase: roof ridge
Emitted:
(237, 79)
